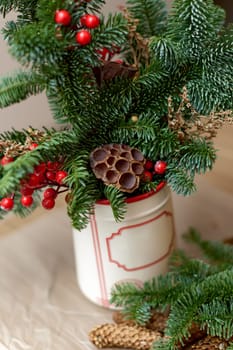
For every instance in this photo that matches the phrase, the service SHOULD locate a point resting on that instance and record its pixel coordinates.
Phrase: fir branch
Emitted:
(83, 189)
(36, 44)
(186, 308)
(161, 292)
(26, 8)
(216, 317)
(111, 32)
(117, 202)
(164, 51)
(180, 180)
(215, 251)
(83, 197)
(16, 171)
(197, 156)
(19, 87)
(151, 14)
(192, 24)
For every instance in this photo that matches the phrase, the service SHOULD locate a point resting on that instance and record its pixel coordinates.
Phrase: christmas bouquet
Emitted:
(137, 96)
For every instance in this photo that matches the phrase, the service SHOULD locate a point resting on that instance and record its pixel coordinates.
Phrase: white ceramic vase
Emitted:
(134, 250)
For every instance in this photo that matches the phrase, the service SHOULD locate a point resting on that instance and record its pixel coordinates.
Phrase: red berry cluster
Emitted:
(45, 175)
(88, 21)
(151, 169)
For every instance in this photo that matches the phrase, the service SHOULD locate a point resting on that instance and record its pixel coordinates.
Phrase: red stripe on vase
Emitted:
(99, 262)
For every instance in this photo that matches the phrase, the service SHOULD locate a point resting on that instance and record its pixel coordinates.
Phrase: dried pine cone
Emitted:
(209, 343)
(118, 165)
(123, 336)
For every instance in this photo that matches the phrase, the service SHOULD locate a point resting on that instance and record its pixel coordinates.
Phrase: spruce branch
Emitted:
(19, 87)
(117, 202)
(151, 16)
(215, 251)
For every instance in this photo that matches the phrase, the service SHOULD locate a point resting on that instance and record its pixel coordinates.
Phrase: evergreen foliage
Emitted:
(193, 291)
(167, 98)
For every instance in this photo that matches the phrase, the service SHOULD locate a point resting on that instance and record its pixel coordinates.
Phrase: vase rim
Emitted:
(138, 197)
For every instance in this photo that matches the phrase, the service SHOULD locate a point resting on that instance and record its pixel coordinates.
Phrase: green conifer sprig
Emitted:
(152, 16)
(192, 291)
(16, 88)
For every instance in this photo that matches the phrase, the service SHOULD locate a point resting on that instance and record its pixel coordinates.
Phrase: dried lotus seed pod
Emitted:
(118, 165)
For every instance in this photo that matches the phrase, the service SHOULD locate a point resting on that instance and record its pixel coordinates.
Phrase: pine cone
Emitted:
(209, 343)
(123, 336)
(118, 165)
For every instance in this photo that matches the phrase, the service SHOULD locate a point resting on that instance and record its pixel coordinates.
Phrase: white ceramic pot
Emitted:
(134, 250)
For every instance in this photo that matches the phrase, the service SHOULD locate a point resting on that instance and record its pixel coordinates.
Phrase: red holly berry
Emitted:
(50, 175)
(6, 160)
(91, 21)
(62, 17)
(160, 167)
(26, 191)
(83, 20)
(50, 193)
(53, 165)
(48, 203)
(26, 201)
(147, 176)
(83, 37)
(7, 203)
(33, 180)
(60, 176)
(40, 169)
(148, 165)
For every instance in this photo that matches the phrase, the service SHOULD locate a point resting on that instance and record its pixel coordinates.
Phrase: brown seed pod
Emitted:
(118, 165)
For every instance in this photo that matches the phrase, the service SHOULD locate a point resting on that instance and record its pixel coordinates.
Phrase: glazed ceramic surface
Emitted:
(134, 250)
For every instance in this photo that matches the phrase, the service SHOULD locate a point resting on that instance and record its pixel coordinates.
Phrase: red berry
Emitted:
(83, 20)
(7, 203)
(40, 169)
(50, 175)
(160, 167)
(33, 180)
(147, 176)
(6, 160)
(48, 203)
(83, 37)
(148, 165)
(53, 165)
(50, 193)
(91, 21)
(26, 191)
(60, 176)
(33, 145)
(26, 201)
(62, 17)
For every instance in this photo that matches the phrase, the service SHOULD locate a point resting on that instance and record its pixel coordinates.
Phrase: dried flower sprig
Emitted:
(196, 125)
(11, 148)
(139, 46)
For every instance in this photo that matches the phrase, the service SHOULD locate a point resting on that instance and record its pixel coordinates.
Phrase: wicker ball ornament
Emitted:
(118, 165)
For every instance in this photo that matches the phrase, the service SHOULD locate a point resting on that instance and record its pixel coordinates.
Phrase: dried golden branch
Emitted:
(138, 45)
(196, 125)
